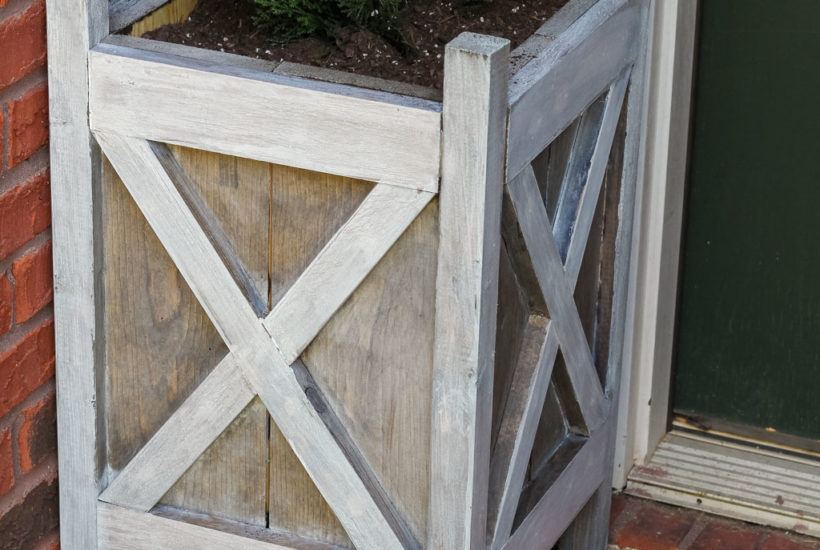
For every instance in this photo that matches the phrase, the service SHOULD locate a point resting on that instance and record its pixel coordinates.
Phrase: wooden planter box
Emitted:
(294, 313)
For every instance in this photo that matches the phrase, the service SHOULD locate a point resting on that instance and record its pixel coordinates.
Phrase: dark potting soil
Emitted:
(426, 25)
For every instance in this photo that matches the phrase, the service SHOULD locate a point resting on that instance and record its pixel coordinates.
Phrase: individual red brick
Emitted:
(780, 542)
(31, 519)
(6, 463)
(33, 283)
(24, 367)
(28, 125)
(37, 438)
(723, 537)
(25, 211)
(654, 529)
(24, 43)
(6, 296)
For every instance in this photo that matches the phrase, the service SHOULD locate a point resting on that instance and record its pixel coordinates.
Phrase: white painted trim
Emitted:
(644, 398)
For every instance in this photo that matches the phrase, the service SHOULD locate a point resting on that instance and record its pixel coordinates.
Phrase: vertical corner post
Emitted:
(474, 123)
(73, 29)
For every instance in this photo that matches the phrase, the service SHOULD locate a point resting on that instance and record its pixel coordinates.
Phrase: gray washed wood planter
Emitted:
(438, 369)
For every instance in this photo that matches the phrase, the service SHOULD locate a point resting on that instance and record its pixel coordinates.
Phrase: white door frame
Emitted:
(644, 400)
(721, 476)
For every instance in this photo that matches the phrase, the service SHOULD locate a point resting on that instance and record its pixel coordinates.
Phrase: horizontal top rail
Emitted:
(236, 110)
(570, 71)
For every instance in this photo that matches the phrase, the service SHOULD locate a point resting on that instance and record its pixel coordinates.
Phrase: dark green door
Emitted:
(748, 346)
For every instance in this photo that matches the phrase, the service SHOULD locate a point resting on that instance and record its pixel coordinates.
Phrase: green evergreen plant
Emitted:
(291, 19)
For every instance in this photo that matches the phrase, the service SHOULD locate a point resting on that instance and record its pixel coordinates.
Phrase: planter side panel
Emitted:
(160, 343)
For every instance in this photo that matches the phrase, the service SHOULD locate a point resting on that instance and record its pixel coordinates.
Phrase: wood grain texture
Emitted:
(557, 291)
(511, 323)
(75, 206)
(263, 366)
(295, 504)
(341, 265)
(171, 12)
(475, 94)
(264, 116)
(572, 71)
(236, 191)
(181, 439)
(566, 496)
(124, 529)
(380, 345)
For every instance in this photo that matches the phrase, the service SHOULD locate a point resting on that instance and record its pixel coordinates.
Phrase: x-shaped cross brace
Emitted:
(556, 280)
(262, 353)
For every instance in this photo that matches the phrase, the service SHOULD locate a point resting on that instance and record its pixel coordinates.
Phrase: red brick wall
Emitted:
(28, 431)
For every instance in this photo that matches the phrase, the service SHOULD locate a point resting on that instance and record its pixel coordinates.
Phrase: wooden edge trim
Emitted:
(182, 438)
(172, 529)
(266, 116)
(546, 261)
(566, 497)
(340, 267)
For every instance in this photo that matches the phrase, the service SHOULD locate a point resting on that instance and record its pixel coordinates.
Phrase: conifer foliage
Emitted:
(290, 19)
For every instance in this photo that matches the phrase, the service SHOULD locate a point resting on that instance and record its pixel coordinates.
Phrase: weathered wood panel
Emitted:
(373, 361)
(295, 504)
(266, 116)
(161, 343)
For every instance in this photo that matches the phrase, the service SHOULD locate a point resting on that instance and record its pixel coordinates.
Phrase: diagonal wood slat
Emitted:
(182, 439)
(520, 417)
(595, 175)
(363, 516)
(537, 233)
(386, 212)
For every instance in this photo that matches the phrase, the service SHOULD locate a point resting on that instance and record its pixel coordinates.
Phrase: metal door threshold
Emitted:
(738, 480)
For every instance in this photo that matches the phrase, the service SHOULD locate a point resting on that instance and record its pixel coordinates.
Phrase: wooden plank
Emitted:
(595, 176)
(591, 528)
(211, 173)
(511, 323)
(380, 342)
(342, 265)
(549, 92)
(264, 367)
(227, 480)
(295, 504)
(174, 11)
(354, 455)
(158, 335)
(122, 13)
(75, 180)
(124, 529)
(574, 181)
(275, 118)
(511, 456)
(183, 437)
(536, 230)
(307, 209)
(565, 497)
(209, 56)
(475, 91)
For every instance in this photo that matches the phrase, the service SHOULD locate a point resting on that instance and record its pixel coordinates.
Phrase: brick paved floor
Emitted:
(639, 524)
